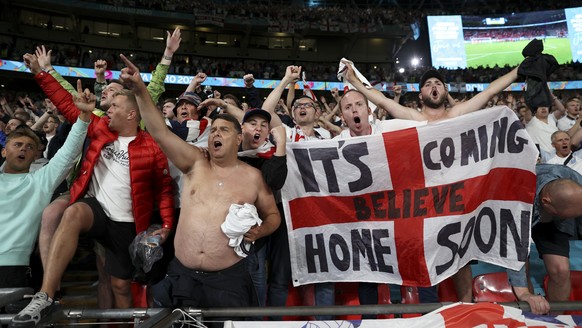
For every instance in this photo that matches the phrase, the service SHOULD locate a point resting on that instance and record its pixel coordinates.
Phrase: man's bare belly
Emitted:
(200, 244)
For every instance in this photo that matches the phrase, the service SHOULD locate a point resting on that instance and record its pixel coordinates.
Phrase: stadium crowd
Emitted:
(76, 56)
(139, 153)
(279, 8)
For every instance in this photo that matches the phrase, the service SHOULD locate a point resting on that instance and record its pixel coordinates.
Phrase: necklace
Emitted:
(221, 181)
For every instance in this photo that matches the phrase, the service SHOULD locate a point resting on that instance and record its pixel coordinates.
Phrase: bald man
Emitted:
(557, 217)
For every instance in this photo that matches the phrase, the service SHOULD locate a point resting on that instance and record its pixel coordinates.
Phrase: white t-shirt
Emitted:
(566, 123)
(48, 139)
(111, 183)
(295, 134)
(385, 126)
(541, 133)
(575, 163)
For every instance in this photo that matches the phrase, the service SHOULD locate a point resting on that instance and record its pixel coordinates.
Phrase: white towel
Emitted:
(341, 77)
(239, 220)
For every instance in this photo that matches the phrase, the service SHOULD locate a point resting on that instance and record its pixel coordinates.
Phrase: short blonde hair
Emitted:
(130, 95)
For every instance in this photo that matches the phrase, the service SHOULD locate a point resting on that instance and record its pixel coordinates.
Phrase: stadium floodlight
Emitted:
(415, 61)
(401, 70)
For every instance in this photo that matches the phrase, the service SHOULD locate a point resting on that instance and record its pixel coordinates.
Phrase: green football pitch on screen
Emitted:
(488, 53)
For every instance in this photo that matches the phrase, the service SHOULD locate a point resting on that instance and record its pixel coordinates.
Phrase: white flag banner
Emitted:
(412, 206)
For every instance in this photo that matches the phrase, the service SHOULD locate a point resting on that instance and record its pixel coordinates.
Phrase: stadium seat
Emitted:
(409, 295)
(139, 294)
(492, 287)
(346, 293)
(447, 291)
(384, 298)
(300, 296)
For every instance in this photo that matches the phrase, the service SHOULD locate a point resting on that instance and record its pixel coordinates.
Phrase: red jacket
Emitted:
(148, 166)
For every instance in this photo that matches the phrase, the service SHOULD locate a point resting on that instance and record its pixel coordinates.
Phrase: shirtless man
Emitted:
(217, 275)
(433, 93)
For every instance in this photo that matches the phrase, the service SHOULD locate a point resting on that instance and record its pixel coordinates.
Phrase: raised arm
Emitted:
(576, 139)
(480, 100)
(44, 60)
(37, 126)
(61, 98)
(398, 93)
(283, 107)
(85, 102)
(291, 75)
(156, 86)
(325, 123)
(100, 67)
(230, 109)
(576, 127)
(559, 109)
(291, 94)
(394, 109)
(6, 107)
(177, 150)
(196, 81)
(253, 96)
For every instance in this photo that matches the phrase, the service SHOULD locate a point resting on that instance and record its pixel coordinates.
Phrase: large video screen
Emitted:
(474, 41)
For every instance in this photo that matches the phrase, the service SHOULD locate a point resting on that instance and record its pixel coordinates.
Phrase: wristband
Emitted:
(167, 57)
(49, 70)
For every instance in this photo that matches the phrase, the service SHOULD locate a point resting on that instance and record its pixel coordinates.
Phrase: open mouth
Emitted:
(217, 144)
(257, 137)
(21, 157)
(302, 113)
(434, 93)
(357, 120)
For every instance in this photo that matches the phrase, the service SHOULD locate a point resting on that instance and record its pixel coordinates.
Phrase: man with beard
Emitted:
(433, 95)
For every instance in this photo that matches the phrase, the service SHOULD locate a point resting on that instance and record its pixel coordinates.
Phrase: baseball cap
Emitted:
(430, 74)
(257, 111)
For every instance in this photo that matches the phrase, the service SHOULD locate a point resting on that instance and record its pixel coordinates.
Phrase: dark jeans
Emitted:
(280, 270)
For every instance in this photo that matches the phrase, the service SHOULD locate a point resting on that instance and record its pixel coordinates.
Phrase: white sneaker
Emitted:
(39, 307)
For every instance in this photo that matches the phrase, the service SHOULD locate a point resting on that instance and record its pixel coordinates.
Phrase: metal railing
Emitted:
(165, 317)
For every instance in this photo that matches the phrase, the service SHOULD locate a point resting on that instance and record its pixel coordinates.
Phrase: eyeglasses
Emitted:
(303, 105)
